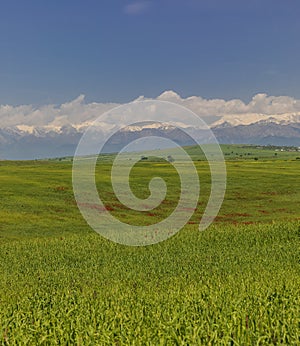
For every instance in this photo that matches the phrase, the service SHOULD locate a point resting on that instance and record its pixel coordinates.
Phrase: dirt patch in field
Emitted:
(94, 206)
(270, 193)
(237, 215)
(61, 188)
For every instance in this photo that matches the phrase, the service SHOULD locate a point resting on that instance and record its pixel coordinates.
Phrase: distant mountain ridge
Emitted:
(41, 142)
(262, 132)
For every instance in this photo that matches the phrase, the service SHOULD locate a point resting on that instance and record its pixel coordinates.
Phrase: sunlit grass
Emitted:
(236, 283)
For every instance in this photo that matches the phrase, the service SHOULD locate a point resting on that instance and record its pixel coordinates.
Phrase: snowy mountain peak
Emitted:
(252, 118)
(146, 125)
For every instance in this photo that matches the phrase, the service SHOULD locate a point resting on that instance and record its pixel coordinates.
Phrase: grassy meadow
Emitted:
(236, 283)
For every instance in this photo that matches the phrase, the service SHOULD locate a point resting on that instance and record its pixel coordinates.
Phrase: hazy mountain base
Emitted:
(18, 145)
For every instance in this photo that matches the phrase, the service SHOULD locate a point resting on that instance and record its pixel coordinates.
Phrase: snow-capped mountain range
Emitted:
(53, 131)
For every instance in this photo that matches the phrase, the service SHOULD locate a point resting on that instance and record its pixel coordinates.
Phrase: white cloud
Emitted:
(260, 103)
(169, 95)
(74, 112)
(137, 7)
(236, 111)
(79, 113)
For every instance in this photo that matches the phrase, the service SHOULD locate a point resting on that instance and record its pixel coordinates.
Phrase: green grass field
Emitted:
(236, 283)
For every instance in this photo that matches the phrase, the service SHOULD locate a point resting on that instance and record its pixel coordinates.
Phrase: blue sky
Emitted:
(116, 50)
